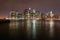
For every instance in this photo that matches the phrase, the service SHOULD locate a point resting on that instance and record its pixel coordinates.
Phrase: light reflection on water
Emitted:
(34, 28)
(13, 28)
(51, 28)
(31, 27)
(28, 28)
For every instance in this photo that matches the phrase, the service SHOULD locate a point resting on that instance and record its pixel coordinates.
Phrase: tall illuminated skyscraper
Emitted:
(27, 12)
(13, 15)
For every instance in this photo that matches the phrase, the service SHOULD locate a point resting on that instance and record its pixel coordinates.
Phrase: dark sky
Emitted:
(42, 5)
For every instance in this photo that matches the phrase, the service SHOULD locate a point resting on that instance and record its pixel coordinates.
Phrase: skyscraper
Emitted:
(13, 15)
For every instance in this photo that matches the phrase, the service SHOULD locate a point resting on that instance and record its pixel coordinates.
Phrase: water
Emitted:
(30, 30)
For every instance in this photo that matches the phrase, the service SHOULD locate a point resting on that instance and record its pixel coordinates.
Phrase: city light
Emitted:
(30, 13)
(34, 28)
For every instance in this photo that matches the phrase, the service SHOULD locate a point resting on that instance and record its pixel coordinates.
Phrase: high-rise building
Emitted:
(27, 13)
(13, 14)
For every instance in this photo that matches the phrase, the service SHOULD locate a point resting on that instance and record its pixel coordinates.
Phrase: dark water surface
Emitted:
(30, 30)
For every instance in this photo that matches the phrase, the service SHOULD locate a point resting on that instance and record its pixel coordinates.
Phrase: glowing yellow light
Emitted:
(51, 28)
(51, 23)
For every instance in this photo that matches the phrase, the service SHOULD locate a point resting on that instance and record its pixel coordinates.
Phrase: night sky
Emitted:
(42, 5)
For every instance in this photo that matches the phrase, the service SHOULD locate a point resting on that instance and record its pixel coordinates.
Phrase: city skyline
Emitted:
(42, 5)
(30, 13)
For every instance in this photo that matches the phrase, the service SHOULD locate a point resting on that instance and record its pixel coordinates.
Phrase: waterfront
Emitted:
(30, 30)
